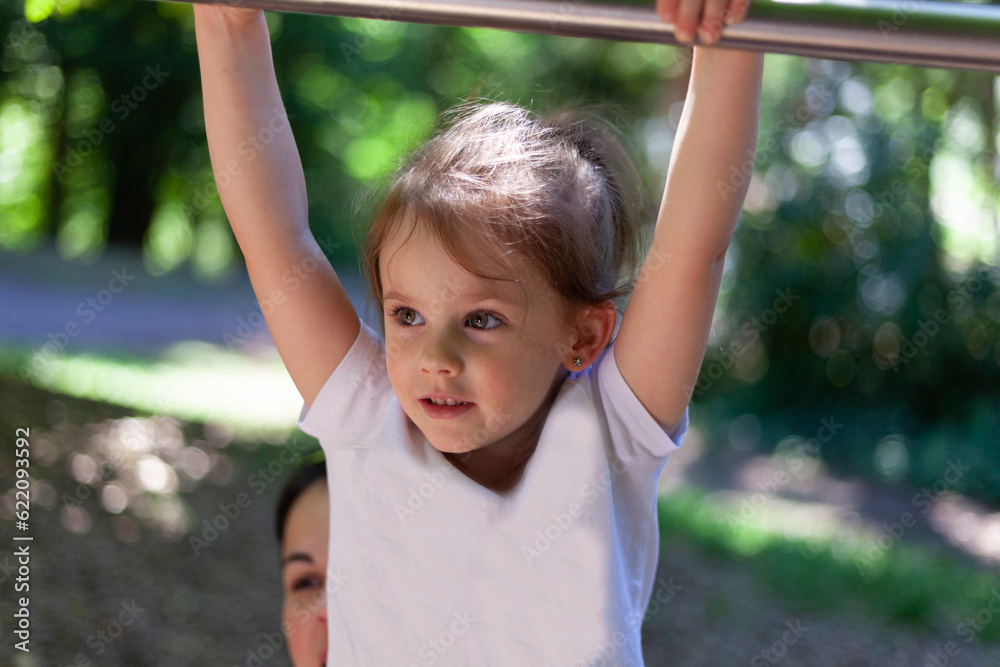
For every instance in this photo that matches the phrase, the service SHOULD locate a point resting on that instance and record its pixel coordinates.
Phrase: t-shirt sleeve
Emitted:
(634, 432)
(353, 397)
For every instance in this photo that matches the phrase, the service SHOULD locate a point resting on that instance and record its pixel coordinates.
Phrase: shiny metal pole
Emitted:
(927, 33)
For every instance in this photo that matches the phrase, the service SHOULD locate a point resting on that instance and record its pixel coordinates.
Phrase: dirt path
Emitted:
(119, 591)
(130, 588)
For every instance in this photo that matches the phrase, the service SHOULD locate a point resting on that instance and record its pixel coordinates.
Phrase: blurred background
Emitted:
(836, 502)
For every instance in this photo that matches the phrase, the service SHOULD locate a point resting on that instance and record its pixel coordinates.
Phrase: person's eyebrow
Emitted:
(477, 296)
(297, 556)
(394, 296)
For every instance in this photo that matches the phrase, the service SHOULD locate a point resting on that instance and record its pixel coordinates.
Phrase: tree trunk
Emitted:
(132, 203)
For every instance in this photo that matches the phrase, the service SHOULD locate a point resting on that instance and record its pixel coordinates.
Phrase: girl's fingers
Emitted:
(704, 18)
(687, 20)
(234, 13)
(737, 11)
(711, 21)
(667, 9)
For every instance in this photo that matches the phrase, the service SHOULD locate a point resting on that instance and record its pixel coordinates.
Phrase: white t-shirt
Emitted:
(427, 567)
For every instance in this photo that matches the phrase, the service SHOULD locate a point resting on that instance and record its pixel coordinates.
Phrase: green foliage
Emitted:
(891, 322)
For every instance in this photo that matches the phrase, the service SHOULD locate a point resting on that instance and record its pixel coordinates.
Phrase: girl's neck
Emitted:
(499, 466)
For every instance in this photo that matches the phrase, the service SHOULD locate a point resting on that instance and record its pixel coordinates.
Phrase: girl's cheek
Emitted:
(395, 351)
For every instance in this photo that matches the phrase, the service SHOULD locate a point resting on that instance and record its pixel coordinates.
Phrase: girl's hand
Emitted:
(230, 12)
(706, 16)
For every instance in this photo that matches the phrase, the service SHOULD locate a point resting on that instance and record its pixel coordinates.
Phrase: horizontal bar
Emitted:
(926, 33)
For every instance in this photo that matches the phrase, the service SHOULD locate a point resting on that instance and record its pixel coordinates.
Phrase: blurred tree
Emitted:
(868, 259)
(109, 85)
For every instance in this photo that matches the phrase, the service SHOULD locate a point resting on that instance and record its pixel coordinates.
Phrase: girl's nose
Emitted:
(440, 356)
(321, 611)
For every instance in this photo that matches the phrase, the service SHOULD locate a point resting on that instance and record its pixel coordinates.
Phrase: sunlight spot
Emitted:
(84, 468)
(45, 494)
(967, 525)
(824, 337)
(114, 498)
(807, 147)
(891, 457)
(194, 463)
(759, 197)
(171, 518)
(883, 293)
(855, 96)
(75, 519)
(745, 432)
(135, 434)
(126, 529)
(155, 475)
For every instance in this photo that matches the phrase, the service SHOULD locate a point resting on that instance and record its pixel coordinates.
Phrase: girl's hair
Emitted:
(558, 191)
(300, 480)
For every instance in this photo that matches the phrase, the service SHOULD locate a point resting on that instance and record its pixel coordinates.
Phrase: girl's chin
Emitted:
(454, 450)
(448, 443)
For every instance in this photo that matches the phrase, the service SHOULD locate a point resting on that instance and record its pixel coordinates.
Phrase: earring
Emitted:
(577, 362)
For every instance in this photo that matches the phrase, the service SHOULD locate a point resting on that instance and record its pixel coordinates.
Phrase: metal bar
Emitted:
(926, 33)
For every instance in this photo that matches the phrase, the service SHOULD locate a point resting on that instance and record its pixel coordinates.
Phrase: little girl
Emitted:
(493, 463)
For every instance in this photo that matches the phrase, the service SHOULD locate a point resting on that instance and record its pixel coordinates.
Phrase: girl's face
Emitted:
(491, 347)
(303, 575)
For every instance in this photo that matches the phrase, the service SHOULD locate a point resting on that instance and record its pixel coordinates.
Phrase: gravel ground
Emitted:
(721, 617)
(131, 589)
(128, 589)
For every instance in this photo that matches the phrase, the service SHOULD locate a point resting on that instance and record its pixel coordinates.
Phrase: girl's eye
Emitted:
(482, 321)
(407, 316)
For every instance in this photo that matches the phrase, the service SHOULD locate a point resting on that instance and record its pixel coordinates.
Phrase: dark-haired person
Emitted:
(303, 527)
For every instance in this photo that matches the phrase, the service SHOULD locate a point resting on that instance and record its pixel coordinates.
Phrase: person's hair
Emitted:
(558, 191)
(300, 480)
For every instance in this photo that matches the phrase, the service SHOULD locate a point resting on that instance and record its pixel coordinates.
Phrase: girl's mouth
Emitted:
(445, 408)
(445, 401)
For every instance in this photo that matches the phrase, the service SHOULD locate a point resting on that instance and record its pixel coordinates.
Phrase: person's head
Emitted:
(496, 259)
(303, 527)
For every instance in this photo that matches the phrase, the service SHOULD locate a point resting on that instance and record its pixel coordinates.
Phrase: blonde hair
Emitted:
(558, 191)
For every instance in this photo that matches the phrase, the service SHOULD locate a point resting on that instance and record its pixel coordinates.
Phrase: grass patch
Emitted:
(834, 571)
(193, 381)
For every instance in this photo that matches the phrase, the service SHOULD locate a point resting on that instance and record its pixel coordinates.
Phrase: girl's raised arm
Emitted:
(664, 331)
(263, 190)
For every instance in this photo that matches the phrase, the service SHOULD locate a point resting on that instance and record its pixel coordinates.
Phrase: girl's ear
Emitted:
(594, 328)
